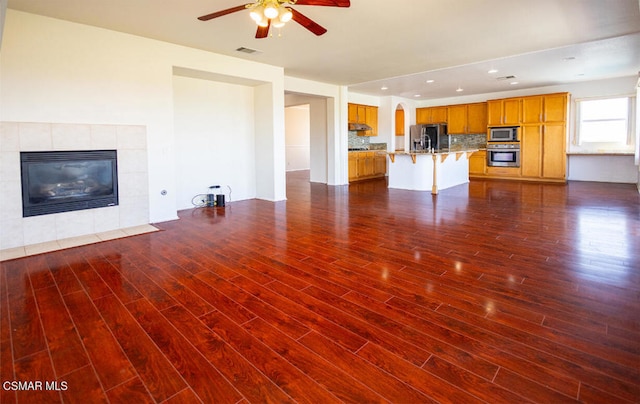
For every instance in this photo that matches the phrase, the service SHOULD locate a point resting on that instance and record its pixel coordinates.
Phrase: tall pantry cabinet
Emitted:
(543, 136)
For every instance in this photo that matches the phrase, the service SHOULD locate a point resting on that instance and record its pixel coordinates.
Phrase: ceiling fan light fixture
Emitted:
(256, 14)
(285, 15)
(277, 12)
(271, 11)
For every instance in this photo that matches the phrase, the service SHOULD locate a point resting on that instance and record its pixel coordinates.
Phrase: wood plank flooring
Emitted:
(497, 292)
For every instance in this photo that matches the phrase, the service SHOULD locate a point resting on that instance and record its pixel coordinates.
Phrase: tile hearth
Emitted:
(55, 245)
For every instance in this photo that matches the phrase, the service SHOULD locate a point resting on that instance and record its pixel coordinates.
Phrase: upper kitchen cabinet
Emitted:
(544, 108)
(555, 107)
(477, 117)
(357, 113)
(431, 115)
(467, 118)
(399, 122)
(364, 114)
(353, 113)
(532, 109)
(504, 112)
(371, 119)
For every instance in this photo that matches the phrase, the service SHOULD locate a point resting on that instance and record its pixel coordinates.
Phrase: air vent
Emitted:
(247, 50)
(505, 78)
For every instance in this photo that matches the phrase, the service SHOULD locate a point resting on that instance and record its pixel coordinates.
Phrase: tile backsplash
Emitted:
(465, 142)
(364, 142)
(357, 141)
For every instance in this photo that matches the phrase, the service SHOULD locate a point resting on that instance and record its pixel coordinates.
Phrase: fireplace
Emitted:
(63, 181)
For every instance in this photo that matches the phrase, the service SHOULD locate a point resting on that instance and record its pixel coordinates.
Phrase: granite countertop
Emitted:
(443, 151)
(612, 153)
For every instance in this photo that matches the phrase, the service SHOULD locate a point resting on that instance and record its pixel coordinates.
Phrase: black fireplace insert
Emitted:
(63, 181)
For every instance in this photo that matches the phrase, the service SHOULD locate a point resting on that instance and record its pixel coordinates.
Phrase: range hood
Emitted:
(359, 127)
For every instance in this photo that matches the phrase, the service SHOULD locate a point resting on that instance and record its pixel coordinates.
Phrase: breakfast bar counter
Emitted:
(423, 171)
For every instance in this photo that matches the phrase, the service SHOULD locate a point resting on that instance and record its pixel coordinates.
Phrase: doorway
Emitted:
(297, 137)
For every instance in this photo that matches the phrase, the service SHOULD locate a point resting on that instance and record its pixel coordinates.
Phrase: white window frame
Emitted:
(605, 147)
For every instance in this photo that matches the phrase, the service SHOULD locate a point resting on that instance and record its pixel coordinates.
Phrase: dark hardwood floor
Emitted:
(489, 292)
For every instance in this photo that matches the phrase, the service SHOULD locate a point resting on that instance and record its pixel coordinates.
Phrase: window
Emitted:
(605, 120)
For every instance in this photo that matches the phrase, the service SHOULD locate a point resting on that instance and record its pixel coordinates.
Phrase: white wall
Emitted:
(58, 72)
(593, 168)
(207, 127)
(298, 137)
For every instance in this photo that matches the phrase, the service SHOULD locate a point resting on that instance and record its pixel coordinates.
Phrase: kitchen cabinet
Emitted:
(365, 114)
(554, 156)
(531, 151)
(504, 172)
(431, 115)
(555, 107)
(544, 108)
(357, 113)
(371, 119)
(353, 113)
(399, 122)
(423, 115)
(477, 117)
(367, 164)
(353, 166)
(504, 112)
(467, 118)
(532, 109)
(439, 115)
(542, 153)
(478, 163)
(379, 164)
(457, 119)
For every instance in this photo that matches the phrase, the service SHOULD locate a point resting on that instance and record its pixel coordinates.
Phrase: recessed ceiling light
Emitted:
(491, 71)
(417, 95)
(513, 83)
(384, 88)
(430, 81)
(459, 89)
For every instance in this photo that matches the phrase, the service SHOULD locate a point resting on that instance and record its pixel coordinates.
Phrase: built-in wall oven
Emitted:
(503, 154)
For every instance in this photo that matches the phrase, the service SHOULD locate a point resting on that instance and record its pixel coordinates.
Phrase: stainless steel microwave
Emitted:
(504, 134)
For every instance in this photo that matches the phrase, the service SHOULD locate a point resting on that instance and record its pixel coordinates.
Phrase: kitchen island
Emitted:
(423, 171)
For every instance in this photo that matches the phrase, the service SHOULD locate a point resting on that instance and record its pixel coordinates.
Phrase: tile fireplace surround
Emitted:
(133, 210)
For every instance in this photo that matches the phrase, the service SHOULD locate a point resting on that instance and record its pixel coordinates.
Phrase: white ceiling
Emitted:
(398, 44)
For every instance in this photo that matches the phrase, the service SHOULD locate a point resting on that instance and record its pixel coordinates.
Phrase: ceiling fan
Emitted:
(267, 13)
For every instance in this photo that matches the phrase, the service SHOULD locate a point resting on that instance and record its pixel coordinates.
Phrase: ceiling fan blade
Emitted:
(327, 3)
(308, 23)
(262, 32)
(221, 13)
